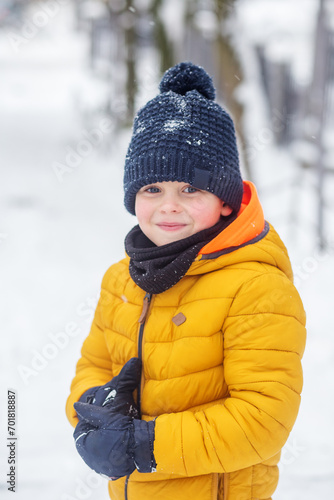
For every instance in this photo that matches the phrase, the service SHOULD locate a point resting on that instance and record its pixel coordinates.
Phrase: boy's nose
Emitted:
(169, 204)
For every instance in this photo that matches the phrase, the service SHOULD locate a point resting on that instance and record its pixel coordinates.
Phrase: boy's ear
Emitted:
(226, 209)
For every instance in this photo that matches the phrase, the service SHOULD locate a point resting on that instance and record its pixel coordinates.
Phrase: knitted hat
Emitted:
(183, 135)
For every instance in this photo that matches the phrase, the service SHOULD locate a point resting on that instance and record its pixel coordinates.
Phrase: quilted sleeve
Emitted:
(264, 339)
(94, 367)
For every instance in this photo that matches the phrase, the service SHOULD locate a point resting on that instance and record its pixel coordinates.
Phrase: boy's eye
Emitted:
(190, 189)
(152, 189)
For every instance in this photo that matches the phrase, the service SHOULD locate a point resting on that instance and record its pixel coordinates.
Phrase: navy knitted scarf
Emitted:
(154, 268)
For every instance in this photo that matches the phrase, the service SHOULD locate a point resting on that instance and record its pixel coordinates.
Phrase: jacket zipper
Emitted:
(215, 480)
(226, 485)
(141, 321)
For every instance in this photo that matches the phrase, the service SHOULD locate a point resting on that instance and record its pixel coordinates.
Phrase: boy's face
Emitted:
(171, 211)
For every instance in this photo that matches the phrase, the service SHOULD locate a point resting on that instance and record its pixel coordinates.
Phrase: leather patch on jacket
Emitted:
(179, 319)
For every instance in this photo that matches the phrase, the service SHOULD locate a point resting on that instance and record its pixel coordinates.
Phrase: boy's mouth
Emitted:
(171, 226)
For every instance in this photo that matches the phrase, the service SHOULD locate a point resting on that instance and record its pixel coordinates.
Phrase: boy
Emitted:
(189, 381)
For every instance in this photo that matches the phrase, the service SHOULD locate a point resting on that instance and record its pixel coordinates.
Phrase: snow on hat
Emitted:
(183, 135)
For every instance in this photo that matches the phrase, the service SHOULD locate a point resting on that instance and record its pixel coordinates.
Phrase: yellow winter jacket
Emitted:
(221, 355)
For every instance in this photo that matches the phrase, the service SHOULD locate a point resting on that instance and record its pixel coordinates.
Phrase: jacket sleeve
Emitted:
(94, 366)
(264, 339)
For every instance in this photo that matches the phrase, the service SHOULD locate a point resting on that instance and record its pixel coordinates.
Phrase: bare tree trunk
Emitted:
(163, 42)
(229, 74)
(317, 108)
(130, 44)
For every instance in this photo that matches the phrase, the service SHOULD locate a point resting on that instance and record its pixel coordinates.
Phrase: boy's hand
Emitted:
(117, 393)
(113, 444)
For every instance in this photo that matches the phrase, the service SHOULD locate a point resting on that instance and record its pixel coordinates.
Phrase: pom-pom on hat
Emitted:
(183, 135)
(185, 77)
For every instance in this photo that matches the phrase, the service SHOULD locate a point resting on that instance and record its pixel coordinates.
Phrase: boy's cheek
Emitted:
(141, 210)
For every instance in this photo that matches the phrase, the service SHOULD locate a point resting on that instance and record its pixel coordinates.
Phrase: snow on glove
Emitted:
(117, 393)
(113, 444)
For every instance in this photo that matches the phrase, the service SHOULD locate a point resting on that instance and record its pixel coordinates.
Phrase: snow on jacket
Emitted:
(221, 355)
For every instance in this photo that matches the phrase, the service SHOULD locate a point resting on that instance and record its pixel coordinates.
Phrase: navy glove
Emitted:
(113, 444)
(117, 393)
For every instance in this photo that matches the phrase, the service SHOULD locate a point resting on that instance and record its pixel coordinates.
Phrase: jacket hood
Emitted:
(249, 238)
(248, 225)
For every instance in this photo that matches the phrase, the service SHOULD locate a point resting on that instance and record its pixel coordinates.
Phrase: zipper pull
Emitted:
(146, 303)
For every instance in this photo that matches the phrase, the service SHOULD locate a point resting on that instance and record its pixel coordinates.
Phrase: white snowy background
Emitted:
(58, 235)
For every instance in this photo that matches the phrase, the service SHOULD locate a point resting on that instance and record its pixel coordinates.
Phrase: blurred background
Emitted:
(73, 74)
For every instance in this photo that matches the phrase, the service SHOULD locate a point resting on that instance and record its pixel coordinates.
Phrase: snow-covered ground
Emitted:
(58, 236)
(62, 223)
